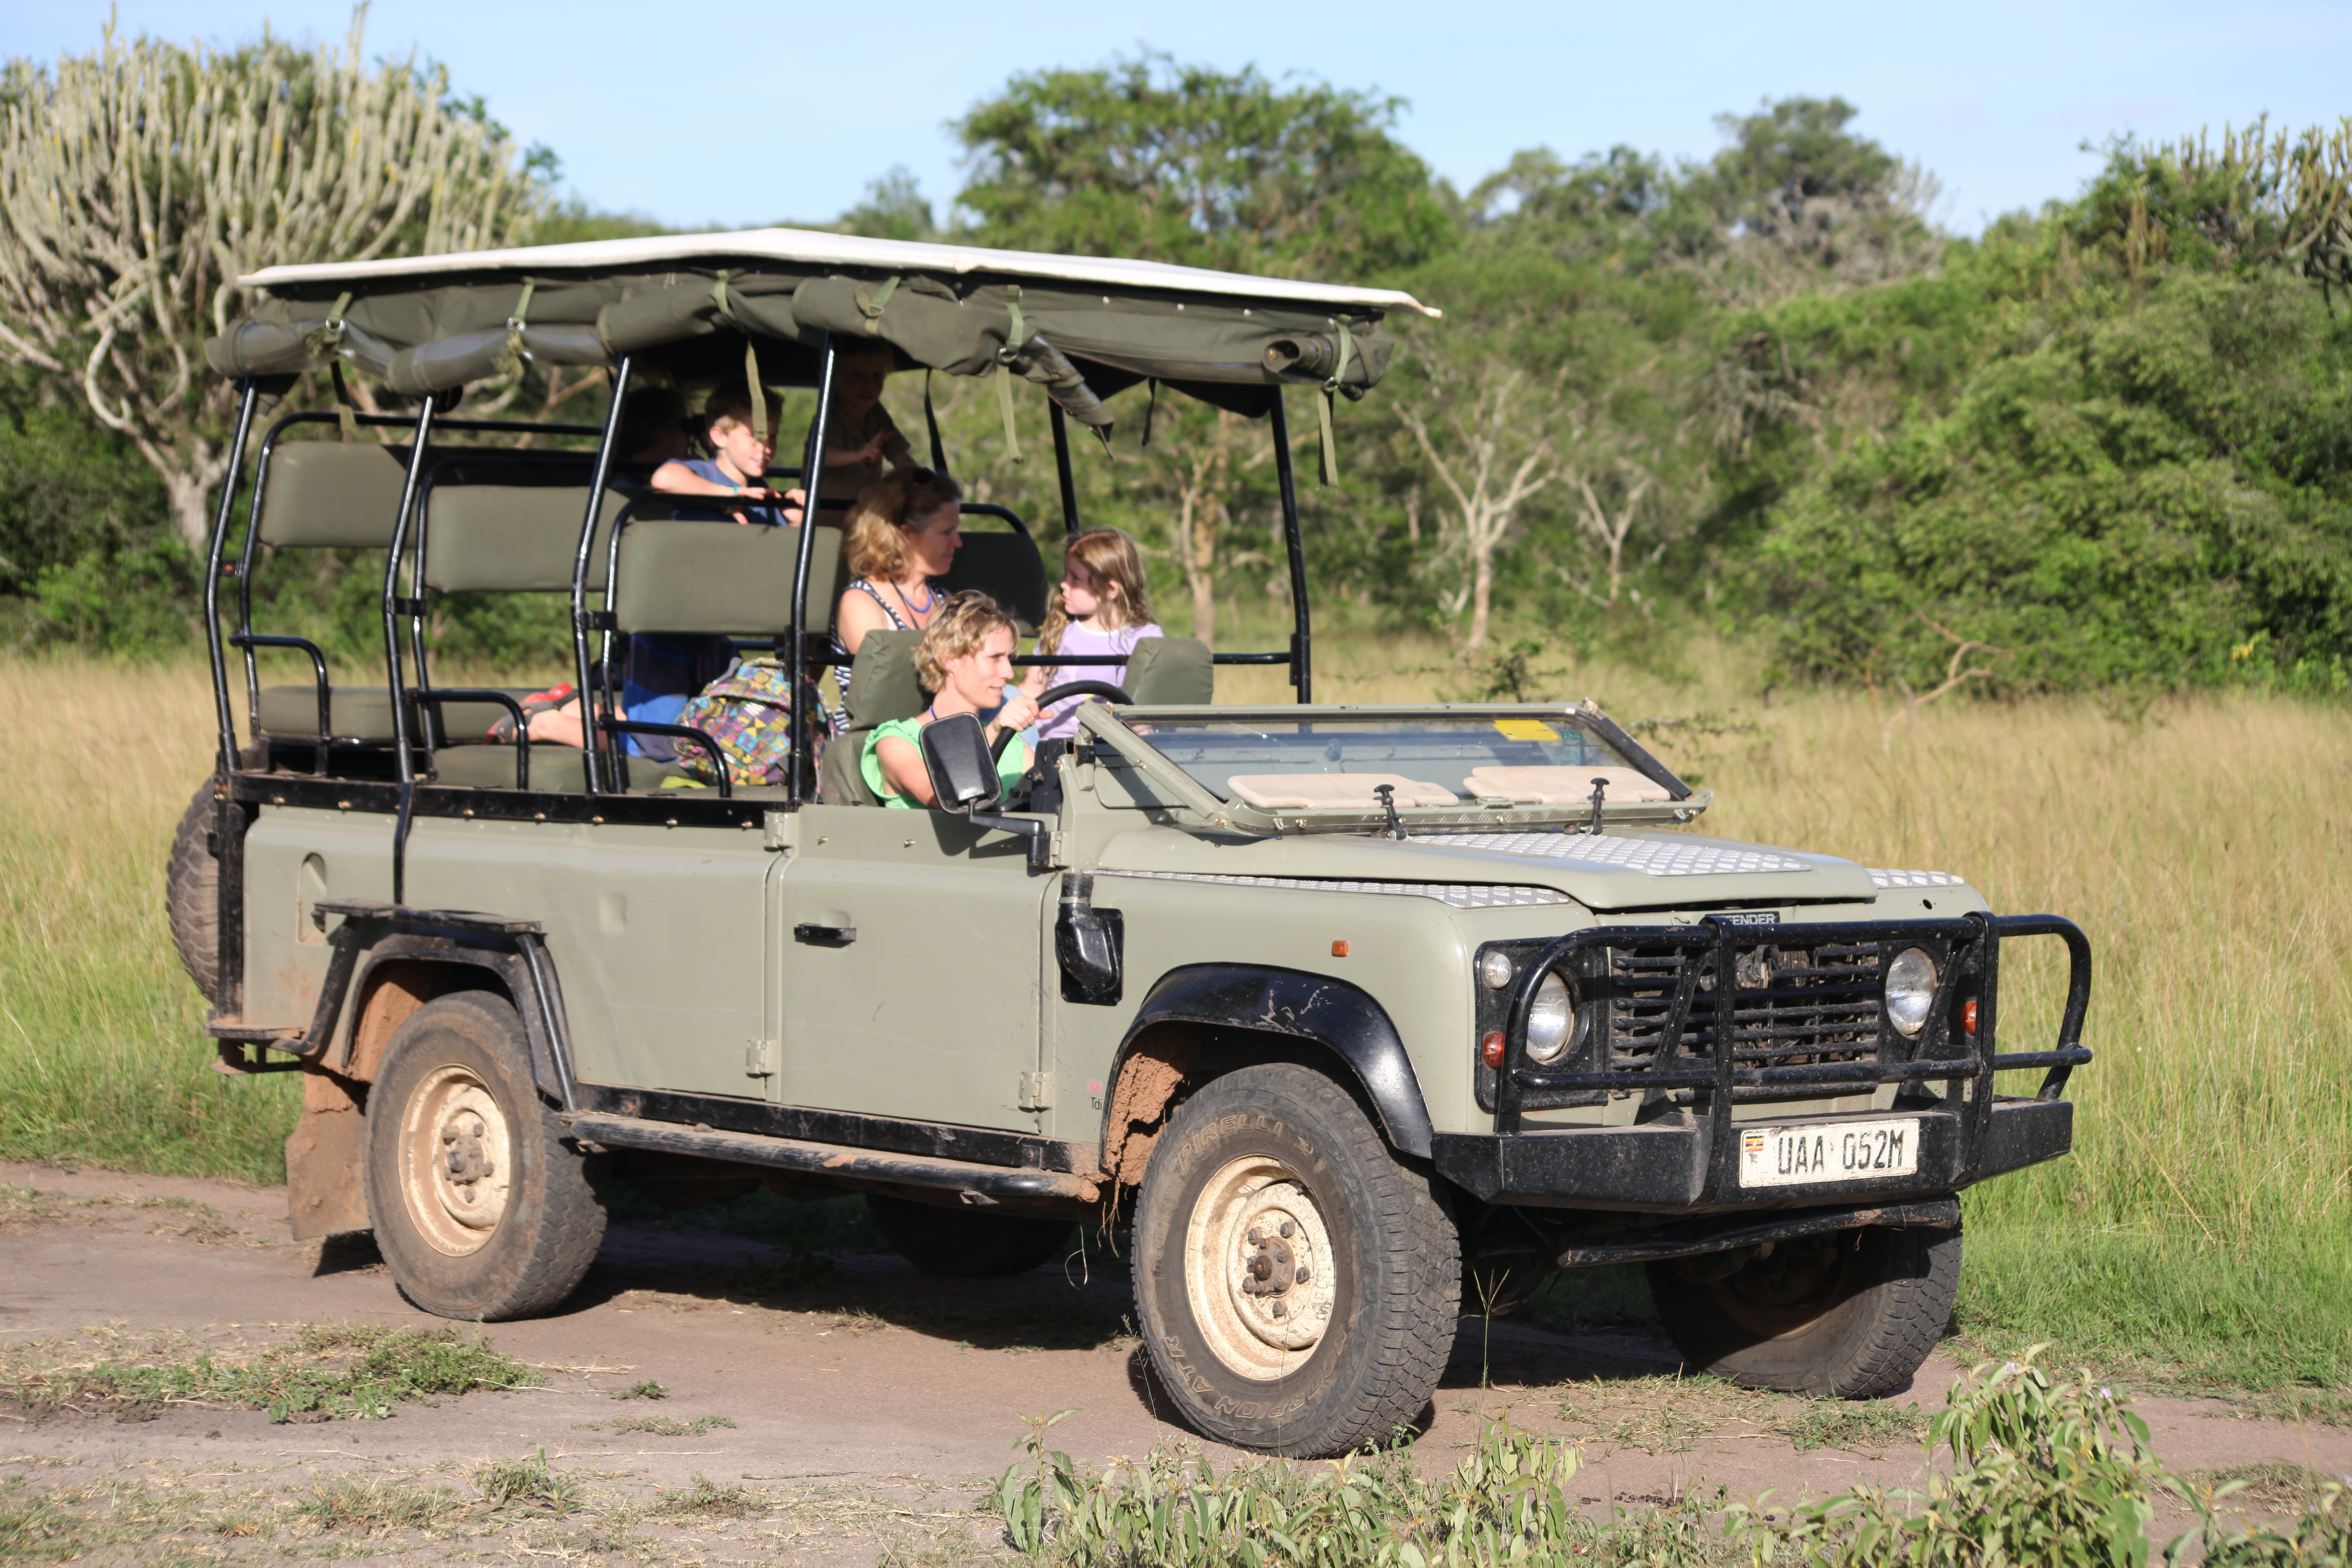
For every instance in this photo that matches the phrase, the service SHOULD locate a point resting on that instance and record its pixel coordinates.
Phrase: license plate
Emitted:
(1833, 1152)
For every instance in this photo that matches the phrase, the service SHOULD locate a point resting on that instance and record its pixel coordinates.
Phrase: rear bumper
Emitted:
(1678, 1168)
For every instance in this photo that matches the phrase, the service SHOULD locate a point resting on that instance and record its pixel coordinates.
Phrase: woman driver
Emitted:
(965, 658)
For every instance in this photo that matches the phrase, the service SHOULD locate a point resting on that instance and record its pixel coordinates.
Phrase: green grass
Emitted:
(328, 1371)
(2200, 1236)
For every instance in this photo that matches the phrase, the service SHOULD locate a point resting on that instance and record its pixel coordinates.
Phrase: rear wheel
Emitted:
(484, 1207)
(1298, 1283)
(191, 895)
(1851, 1314)
(967, 1244)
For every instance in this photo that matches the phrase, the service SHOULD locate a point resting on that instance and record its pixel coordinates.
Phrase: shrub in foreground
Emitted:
(2044, 1471)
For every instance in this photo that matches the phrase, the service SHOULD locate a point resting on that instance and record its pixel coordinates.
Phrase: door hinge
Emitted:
(1036, 1091)
(759, 1059)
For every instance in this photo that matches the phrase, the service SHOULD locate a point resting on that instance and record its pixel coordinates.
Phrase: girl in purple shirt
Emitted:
(1103, 605)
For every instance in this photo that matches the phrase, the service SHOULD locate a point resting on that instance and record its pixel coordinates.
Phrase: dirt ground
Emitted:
(860, 1419)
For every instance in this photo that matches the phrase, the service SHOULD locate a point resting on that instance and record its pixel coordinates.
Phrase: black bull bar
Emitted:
(1647, 1172)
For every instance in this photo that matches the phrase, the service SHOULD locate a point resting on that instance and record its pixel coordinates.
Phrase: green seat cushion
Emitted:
(560, 769)
(883, 684)
(842, 780)
(364, 712)
(1169, 672)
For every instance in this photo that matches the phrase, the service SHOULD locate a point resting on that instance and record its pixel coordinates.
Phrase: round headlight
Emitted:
(1496, 968)
(1910, 987)
(1549, 1020)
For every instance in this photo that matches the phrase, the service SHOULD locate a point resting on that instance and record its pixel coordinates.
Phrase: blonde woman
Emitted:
(903, 534)
(1102, 606)
(965, 660)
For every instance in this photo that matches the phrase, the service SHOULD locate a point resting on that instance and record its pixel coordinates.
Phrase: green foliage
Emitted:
(349, 1502)
(893, 208)
(2119, 485)
(329, 1371)
(1149, 158)
(532, 1482)
(68, 486)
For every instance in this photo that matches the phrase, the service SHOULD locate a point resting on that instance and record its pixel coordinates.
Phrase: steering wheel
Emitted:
(1054, 694)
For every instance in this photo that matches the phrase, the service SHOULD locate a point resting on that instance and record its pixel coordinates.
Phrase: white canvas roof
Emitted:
(809, 247)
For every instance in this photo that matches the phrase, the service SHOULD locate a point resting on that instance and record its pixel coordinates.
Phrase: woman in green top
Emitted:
(966, 658)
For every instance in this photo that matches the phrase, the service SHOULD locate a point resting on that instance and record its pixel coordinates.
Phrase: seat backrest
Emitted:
(842, 776)
(328, 495)
(718, 578)
(1008, 569)
(1169, 672)
(883, 684)
(343, 495)
(514, 539)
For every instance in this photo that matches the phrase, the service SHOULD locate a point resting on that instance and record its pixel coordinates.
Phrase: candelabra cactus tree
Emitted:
(138, 183)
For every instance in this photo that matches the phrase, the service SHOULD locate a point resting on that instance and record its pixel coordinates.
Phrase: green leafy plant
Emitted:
(530, 1482)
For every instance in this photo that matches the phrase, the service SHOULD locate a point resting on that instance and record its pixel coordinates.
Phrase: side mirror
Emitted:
(955, 755)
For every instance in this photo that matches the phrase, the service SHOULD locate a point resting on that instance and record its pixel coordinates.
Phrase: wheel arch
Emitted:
(405, 968)
(1201, 1021)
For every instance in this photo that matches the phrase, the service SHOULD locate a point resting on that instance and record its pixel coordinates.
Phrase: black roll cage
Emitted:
(602, 763)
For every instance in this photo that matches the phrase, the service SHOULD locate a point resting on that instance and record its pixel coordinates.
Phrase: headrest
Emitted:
(1008, 569)
(883, 684)
(328, 495)
(511, 537)
(706, 578)
(1169, 672)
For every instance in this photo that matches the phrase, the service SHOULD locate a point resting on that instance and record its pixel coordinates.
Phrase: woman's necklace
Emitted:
(931, 597)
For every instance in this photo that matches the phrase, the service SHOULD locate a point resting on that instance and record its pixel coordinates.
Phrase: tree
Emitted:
(1182, 164)
(138, 183)
(893, 208)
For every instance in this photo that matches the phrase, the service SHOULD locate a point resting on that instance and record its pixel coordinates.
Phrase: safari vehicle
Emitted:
(1353, 1018)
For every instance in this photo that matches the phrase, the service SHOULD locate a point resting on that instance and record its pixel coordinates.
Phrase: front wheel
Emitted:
(484, 1207)
(1852, 1314)
(1298, 1283)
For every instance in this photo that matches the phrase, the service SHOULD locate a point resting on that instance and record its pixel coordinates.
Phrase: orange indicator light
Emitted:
(1338, 950)
(1968, 1016)
(1490, 1050)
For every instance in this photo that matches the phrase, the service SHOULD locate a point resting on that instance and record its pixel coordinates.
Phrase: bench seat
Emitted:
(364, 712)
(559, 769)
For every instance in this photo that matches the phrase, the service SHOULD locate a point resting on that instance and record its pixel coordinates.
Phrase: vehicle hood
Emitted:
(1611, 871)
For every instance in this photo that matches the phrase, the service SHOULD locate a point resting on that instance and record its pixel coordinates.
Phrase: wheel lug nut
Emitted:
(1302, 1274)
(1288, 1230)
(1280, 1310)
(1255, 1238)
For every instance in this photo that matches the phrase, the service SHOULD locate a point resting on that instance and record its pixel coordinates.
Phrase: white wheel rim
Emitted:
(456, 1158)
(1258, 1269)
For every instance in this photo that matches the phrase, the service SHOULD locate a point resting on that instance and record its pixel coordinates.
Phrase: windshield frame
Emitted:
(1192, 802)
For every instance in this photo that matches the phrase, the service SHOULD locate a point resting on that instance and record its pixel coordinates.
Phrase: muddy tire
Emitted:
(1299, 1282)
(1852, 1314)
(967, 1244)
(191, 895)
(484, 1206)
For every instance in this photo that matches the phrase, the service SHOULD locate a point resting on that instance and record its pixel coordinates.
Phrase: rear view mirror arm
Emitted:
(1034, 829)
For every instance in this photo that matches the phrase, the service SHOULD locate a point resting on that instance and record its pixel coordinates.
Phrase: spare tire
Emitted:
(191, 895)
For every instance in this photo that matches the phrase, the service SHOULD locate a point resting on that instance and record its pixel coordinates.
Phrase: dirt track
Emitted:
(867, 1410)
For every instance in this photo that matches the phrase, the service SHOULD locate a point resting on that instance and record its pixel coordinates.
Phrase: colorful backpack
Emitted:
(748, 711)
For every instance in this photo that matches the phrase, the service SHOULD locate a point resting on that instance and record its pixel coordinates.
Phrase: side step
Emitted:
(974, 1183)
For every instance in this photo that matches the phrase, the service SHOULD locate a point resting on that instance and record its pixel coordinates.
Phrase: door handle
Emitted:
(826, 936)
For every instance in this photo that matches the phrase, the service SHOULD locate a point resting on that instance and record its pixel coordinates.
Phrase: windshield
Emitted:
(1329, 759)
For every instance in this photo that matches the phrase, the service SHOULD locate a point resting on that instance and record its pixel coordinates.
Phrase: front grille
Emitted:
(1801, 997)
(1791, 1006)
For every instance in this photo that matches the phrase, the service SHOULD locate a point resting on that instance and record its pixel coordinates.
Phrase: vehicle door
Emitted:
(912, 955)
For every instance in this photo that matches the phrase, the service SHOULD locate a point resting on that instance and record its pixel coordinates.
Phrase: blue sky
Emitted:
(749, 113)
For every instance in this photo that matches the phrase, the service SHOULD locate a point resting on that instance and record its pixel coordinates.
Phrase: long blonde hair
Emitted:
(1112, 559)
(878, 519)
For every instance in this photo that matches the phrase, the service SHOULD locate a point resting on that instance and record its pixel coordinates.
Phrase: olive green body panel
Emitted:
(294, 858)
(931, 1013)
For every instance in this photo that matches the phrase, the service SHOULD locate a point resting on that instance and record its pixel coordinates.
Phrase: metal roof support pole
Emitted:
(249, 395)
(589, 732)
(1062, 468)
(813, 483)
(1302, 662)
(401, 760)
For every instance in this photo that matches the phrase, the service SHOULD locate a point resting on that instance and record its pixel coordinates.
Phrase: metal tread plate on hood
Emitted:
(1651, 856)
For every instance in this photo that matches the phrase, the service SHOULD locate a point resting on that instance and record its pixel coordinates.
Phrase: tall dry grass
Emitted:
(2203, 1224)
